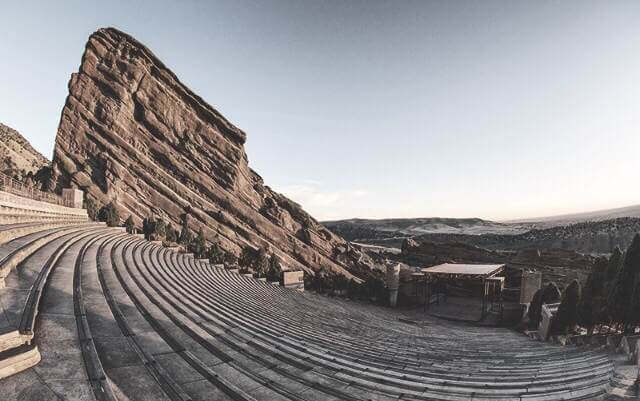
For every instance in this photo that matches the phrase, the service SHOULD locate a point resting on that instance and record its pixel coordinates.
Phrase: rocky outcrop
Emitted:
(132, 133)
(17, 155)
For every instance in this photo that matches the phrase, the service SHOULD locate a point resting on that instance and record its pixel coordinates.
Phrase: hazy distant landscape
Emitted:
(597, 232)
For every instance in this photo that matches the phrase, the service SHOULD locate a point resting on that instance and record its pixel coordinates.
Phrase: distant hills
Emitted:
(355, 228)
(598, 215)
(595, 232)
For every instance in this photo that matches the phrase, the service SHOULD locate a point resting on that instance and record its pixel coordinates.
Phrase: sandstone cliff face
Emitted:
(17, 154)
(131, 132)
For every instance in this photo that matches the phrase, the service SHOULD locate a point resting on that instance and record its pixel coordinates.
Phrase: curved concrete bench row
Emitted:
(9, 232)
(219, 309)
(111, 317)
(26, 262)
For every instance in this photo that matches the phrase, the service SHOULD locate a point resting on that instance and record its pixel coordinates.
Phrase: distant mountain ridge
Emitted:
(597, 215)
(407, 227)
(354, 228)
(595, 232)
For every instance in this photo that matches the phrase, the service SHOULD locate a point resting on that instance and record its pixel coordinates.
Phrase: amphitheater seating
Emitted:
(100, 314)
(15, 209)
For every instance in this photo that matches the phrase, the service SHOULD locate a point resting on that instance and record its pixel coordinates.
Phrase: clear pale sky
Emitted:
(493, 109)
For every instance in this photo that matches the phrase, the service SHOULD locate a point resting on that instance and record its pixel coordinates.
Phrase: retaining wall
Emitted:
(18, 202)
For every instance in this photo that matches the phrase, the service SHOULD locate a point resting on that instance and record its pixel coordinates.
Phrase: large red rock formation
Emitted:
(132, 133)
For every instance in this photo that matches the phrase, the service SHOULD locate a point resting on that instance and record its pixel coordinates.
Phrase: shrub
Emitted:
(199, 245)
(535, 309)
(148, 227)
(619, 302)
(130, 225)
(567, 315)
(109, 214)
(215, 254)
(172, 235)
(549, 294)
(591, 303)
(185, 235)
(160, 229)
(274, 270)
(92, 209)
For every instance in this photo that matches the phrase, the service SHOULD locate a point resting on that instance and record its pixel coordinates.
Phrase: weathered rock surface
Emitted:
(17, 154)
(132, 133)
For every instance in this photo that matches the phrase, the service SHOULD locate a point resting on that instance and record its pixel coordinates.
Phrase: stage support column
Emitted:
(484, 297)
(393, 284)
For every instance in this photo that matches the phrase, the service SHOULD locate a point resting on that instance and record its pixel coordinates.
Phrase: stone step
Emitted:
(16, 219)
(55, 331)
(12, 339)
(16, 360)
(245, 382)
(14, 252)
(174, 278)
(102, 388)
(19, 340)
(152, 336)
(125, 342)
(22, 210)
(10, 232)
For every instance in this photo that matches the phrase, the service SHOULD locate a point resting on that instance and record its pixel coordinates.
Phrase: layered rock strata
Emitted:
(132, 133)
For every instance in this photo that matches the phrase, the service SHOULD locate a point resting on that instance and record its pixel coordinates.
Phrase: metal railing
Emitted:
(15, 187)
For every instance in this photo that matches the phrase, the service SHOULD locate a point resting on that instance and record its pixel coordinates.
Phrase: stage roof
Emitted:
(456, 269)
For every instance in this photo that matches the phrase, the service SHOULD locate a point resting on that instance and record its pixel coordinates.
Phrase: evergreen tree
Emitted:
(340, 282)
(185, 235)
(172, 235)
(160, 229)
(246, 256)
(92, 209)
(593, 296)
(620, 298)
(215, 254)
(109, 214)
(274, 270)
(549, 294)
(230, 259)
(148, 227)
(130, 225)
(567, 315)
(635, 306)
(535, 309)
(261, 263)
(199, 245)
(613, 267)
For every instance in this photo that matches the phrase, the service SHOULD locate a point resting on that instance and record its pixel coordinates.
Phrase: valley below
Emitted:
(563, 249)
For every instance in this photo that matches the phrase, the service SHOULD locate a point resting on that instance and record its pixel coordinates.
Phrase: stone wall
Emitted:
(8, 200)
